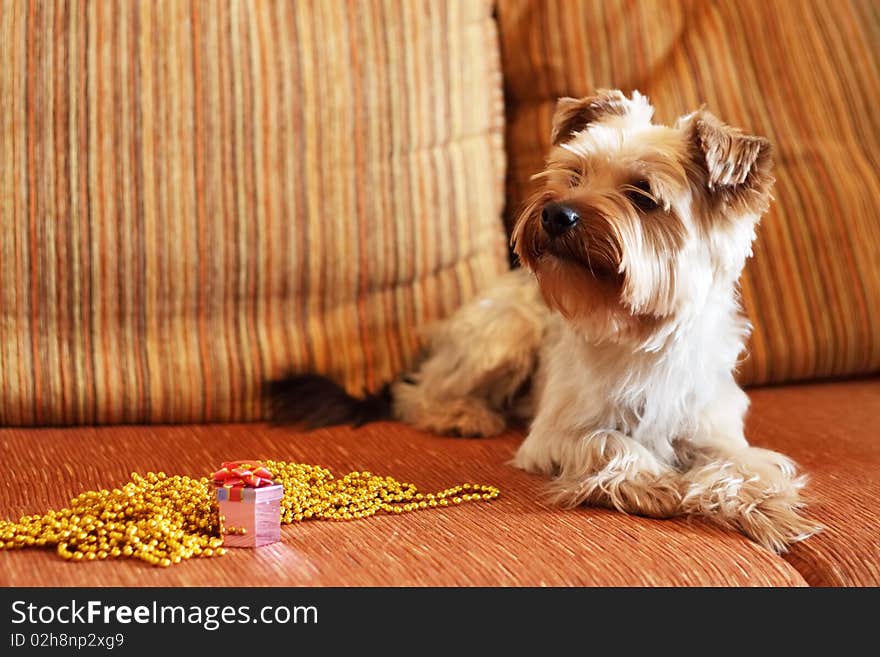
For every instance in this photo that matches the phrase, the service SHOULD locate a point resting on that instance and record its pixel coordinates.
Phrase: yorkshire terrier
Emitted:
(619, 338)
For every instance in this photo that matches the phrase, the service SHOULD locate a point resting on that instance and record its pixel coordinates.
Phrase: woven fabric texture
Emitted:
(830, 429)
(803, 73)
(517, 540)
(197, 196)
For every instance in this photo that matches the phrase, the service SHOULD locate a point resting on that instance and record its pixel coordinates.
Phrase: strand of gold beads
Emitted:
(311, 492)
(163, 520)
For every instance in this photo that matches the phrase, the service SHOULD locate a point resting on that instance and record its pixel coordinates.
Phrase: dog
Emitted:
(619, 337)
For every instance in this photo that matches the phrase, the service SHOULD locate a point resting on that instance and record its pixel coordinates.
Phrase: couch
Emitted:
(196, 197)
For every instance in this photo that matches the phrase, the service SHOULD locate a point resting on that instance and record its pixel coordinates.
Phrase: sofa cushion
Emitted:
(194, 198)
(802, 73)
(516, 540)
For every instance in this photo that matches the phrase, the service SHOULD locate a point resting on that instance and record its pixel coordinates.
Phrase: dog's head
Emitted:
(632, 223)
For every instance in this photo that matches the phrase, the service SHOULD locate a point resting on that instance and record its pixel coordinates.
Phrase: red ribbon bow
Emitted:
(243, 474)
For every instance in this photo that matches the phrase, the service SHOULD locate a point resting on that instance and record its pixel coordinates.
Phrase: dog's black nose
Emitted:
(557, 218)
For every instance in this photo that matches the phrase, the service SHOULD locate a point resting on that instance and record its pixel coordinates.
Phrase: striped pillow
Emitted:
(805, 74)
(199, 196)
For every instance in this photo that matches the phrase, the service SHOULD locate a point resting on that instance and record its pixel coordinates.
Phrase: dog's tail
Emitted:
(314, 401)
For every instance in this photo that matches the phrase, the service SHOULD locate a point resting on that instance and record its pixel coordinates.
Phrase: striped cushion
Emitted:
(805, 74)
(197, 196)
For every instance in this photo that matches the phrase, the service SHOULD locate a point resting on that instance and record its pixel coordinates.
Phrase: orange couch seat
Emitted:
(829, 428)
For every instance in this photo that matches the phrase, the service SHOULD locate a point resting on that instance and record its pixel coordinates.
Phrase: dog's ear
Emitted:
(574, 114)
(736, 164)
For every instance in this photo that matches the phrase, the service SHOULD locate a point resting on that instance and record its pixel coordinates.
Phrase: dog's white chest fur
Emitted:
(654, 397)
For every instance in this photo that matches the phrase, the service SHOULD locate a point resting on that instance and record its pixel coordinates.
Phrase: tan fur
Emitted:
(732, 171)
(467, 391)
(619, 338)
(573, 114)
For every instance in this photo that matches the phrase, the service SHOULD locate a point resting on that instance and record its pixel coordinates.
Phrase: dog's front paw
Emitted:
(774, 521)
(638, 493)
(754, 490)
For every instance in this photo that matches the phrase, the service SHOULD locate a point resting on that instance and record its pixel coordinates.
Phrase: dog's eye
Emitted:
(639, 194)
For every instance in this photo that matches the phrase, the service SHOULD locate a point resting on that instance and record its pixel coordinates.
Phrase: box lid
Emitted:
(250, 495)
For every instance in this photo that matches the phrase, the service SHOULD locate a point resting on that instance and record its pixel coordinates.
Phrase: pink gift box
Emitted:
(256, 510)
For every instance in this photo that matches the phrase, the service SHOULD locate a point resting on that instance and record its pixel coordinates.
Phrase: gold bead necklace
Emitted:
(163, 520)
